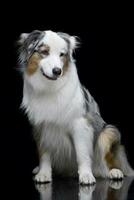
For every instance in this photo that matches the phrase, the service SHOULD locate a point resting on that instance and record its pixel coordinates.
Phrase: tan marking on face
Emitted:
(32, 65)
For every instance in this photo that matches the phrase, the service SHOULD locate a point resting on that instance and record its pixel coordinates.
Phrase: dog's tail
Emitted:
(114, 152)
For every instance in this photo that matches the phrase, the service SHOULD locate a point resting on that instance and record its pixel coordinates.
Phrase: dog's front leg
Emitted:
(45, 172)
(83, 142)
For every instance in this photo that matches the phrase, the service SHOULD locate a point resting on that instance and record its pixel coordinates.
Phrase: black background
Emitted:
(104, 63)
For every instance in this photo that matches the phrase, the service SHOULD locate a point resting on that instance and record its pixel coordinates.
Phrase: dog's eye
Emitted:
(45, 52)
(62, 54)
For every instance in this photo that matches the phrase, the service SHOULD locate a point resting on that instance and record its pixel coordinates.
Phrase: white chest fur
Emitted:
(58, 107)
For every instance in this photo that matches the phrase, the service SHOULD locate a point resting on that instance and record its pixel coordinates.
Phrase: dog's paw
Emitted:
(116, 174)
(86, 178)
(43, 177)
(43, 188)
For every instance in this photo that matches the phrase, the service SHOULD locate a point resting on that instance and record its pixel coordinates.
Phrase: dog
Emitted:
(71, 136)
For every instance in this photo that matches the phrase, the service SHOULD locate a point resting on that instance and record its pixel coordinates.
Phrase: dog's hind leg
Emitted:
(123, 163)
(114, 162)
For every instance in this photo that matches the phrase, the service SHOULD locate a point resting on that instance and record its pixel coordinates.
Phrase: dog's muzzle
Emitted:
(57, 72)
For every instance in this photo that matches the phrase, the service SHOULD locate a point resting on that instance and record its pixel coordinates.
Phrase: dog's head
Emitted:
(46, 52)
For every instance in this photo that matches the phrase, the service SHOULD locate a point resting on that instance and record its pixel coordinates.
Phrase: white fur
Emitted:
(83, 142)
(43, 96)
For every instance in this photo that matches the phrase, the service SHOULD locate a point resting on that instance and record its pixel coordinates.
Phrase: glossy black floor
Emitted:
(69, 189)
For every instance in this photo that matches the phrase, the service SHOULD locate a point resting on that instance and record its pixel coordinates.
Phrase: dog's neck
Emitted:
(57, 99)
(50, 88)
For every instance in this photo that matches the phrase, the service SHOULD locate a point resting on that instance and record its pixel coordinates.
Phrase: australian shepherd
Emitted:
(72, 138)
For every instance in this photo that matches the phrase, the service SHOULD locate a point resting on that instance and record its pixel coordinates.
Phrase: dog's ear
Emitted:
(22, 38)
(29, 38)
(71, 40)
(27, 44)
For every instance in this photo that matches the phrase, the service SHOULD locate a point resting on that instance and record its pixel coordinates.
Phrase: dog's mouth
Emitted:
(48, 77)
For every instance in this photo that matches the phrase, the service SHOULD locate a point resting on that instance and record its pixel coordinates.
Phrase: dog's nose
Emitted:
(56, 71)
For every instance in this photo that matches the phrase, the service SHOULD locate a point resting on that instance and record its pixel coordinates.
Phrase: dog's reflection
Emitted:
(70, 190)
